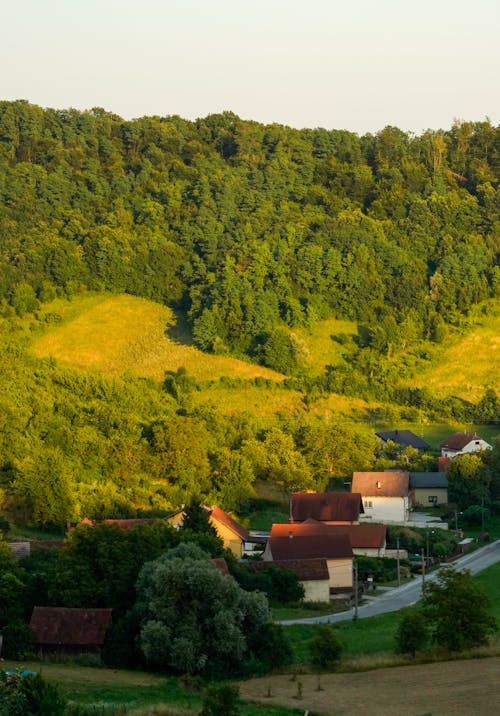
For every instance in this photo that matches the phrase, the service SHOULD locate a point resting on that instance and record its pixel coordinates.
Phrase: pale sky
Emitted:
(358, 65)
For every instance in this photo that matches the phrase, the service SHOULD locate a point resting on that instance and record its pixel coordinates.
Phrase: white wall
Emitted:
(385, 509)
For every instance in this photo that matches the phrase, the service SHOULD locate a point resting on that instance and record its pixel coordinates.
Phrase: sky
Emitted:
(358, 65)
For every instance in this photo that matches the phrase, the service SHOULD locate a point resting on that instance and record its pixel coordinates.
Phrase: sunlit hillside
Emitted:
(469, 363)
(117, 334)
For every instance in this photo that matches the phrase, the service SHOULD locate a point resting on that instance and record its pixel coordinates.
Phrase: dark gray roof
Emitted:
(428, 479)
(404, 438)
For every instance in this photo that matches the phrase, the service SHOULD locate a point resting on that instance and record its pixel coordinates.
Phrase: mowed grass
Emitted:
(119, 334)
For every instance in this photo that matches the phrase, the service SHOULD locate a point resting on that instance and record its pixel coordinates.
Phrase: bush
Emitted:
(412, 633)
(30, 696)
(325, 648)
(221, 699)
(17, 640)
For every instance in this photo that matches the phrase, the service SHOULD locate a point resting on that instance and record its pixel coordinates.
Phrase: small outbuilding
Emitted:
(65, 630)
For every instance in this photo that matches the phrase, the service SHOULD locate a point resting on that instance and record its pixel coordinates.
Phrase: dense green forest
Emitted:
(246, 227)
(247, 231)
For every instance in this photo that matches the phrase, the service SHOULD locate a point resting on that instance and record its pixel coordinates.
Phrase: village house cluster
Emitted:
(325, 532)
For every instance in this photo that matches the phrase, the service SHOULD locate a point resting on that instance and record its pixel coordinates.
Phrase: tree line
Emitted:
(248, 228)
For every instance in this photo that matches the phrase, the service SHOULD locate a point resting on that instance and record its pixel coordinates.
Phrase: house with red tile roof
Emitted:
(326, 507)
(463, 443)
(231, 532)
(69, 631)
(314, 541)
(312, 575)
(387, 495)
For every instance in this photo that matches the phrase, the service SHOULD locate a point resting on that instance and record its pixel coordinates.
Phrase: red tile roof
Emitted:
(326, 506)
(69, 627)
(299, 541)
(458, 441)
(222, 517)
(307, 570)
(391, 483)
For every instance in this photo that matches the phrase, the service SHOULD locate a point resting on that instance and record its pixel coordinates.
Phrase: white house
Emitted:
(386, 495)
(462, 443)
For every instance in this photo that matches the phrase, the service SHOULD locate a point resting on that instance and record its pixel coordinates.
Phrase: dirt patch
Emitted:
(453, 688)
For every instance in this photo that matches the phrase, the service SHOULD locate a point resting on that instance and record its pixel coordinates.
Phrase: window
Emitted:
(432, 499)
(369, 504)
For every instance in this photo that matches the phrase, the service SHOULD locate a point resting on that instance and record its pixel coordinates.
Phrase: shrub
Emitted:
(221, 699)
(30, 696)
(325, 648)
(412, 633)
(17, 640)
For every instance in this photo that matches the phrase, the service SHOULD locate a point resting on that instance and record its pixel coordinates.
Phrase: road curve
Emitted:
(407, 594)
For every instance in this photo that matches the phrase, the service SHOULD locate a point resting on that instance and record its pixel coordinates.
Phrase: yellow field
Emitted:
(321, 350)
(468, 365)
(119, 334)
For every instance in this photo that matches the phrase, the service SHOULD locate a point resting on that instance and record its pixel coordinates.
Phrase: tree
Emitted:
(468, 480)
(194, 619)
(325, 648)
(412, 633)
(221, 699)
(458, 611)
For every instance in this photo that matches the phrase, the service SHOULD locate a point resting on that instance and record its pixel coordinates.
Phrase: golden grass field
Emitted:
(451, 688)
(119, 334)
(469, 364)
(115, 334)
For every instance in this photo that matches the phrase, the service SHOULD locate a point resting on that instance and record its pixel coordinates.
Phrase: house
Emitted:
(233, 535)
(386, 495)
(326, 507)
(69, 631)
(24, 549)
(429, 488)
(404, 438)
(312, 575)
(314, 541)
(462, 443)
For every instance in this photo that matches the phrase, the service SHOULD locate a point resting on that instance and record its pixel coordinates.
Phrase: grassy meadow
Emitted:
(119, 334)
(116, 334)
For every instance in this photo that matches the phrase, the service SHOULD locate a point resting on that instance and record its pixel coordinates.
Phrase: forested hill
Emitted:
(248, 228)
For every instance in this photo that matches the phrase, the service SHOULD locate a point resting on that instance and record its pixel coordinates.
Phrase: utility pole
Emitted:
(355, 565)
(423, 570)
(399, 575)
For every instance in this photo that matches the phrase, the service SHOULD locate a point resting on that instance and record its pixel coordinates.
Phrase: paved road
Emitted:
(398, 597)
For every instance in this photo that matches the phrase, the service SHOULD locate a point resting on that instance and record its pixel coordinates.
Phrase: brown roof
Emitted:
(458, 441)
(126, 524)
(69, 627)
(299, 541)
(220, 564)
(364, 536)
(228, 521)
(326, 506)
(47, 543)
(391, 483)
(306, 569)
